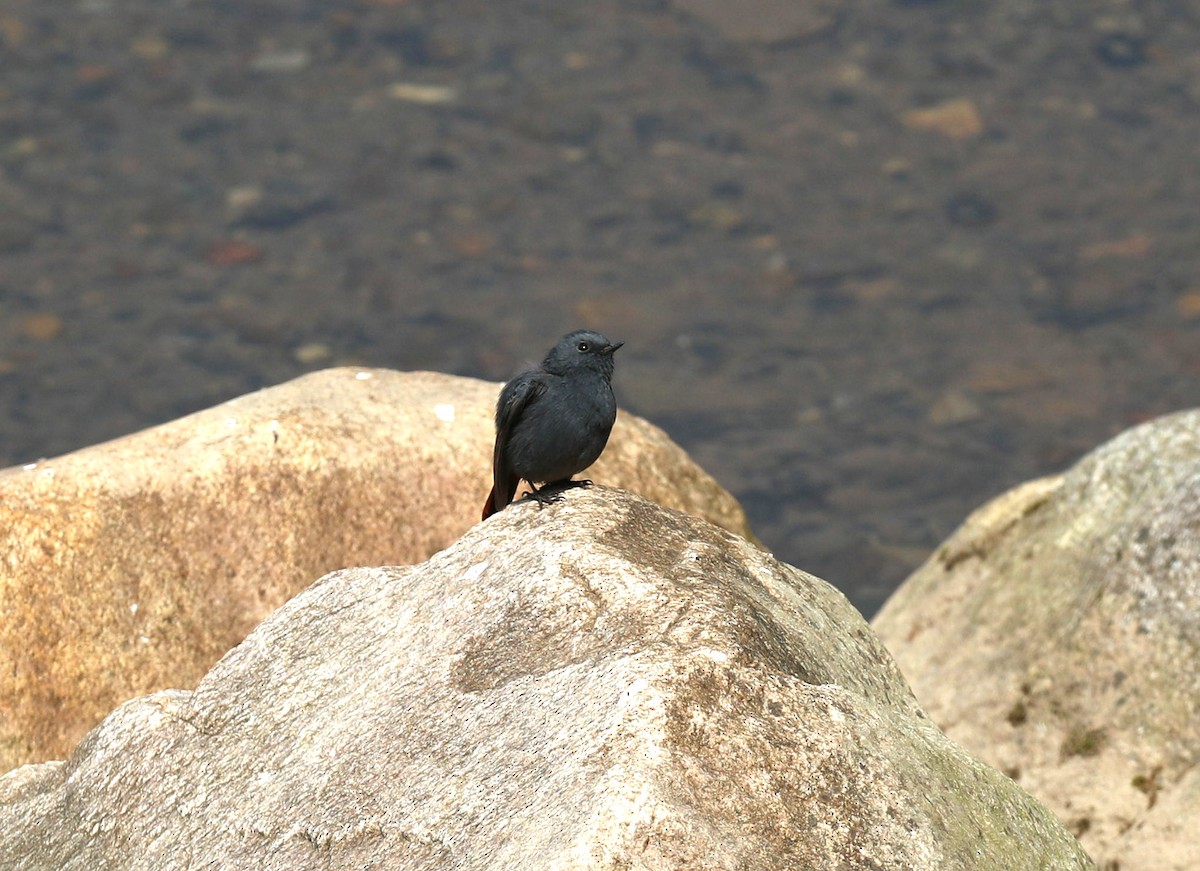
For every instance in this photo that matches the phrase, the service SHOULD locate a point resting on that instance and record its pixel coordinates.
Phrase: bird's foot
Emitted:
(553, 492)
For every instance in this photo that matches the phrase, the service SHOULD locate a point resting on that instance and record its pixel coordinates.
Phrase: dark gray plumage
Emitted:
(553, 421)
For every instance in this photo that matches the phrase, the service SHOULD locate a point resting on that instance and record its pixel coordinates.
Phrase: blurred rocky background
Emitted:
(873, 262)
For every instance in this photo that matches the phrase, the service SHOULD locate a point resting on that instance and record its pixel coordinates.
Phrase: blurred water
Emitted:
(873, 263)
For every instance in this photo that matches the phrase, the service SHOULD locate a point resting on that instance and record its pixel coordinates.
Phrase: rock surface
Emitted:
(1057, 636)
(134, 565)
(599, 684)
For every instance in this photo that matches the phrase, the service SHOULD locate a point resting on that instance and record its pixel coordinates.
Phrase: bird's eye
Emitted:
(583, 347)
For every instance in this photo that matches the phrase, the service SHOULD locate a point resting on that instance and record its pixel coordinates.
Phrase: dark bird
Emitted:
(553, 421)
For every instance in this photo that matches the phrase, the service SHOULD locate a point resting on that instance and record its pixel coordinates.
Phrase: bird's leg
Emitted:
(553, 491)
(546, 494)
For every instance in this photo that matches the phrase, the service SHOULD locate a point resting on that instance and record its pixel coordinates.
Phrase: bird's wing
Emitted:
(514, 399)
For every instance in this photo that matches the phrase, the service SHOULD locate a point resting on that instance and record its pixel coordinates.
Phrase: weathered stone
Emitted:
(134, 565)
(1057, 636)
(598, 684)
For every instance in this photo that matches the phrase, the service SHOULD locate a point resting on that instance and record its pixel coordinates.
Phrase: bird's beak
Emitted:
(611, 348)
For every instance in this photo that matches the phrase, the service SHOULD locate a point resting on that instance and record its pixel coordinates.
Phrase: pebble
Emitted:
(233, 252)
(768, 22)
(872, 290)
(970, 210)
(472, 244)
(250, 320)
(43, 327)
(149, 47)
(281, 61)
(23, 146)
(1188, 304)
(88, 74)
(426, 95)
(1135, 245)
(953, 407)
(12, 30)
(1002, 378)
(717, 216)
(312, 352)
(94, 81)
(282, 206)
(958, 119)
(1122, 51)
(531, 263)
(243, 197)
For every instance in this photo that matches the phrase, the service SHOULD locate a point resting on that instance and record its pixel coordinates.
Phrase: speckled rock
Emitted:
(134, 565)
(600, 684)
(1057, 636)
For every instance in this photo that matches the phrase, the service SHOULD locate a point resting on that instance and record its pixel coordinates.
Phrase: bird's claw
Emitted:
(544, 496)
(553, 492)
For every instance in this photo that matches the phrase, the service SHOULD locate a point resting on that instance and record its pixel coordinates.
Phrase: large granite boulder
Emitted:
(1057, 636)
(598, 684)
(134, 565)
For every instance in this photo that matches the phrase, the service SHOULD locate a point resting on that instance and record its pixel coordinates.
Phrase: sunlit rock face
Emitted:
(1057, 635)
(132, 566)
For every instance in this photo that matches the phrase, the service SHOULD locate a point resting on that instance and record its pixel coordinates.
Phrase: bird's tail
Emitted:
(497, 501)
(489, 507)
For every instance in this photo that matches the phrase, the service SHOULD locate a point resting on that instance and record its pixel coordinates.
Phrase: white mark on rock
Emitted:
(444, 411)
(638, 686)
